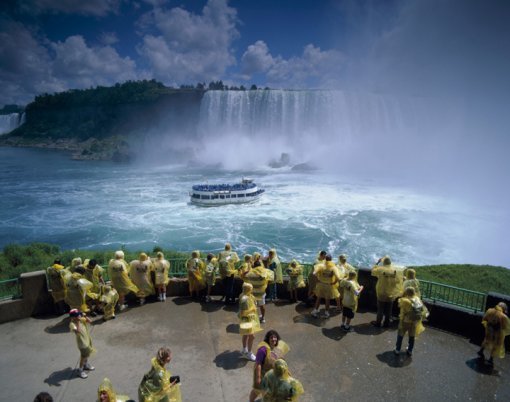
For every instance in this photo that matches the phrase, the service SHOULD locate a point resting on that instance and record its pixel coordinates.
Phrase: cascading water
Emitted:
(311, 125)
(9, 122)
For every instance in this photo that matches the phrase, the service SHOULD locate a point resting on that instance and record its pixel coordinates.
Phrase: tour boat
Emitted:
(221, 194)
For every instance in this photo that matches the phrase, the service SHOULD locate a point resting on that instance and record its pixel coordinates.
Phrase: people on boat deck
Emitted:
(227, 260)
(140, 273)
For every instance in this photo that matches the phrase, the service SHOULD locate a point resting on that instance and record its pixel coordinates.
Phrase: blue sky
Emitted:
(452, 47)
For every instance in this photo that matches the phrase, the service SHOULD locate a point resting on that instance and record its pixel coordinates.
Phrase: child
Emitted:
(80, 326)
(412, 312)
(295, 272)
(412, 282)
(109, 298)
(161, 268)
(211, 269)
(351, 291)
(248, 320)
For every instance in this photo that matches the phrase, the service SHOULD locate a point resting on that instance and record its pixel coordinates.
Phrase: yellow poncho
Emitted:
(161, 268)
(497, 327)
(275, 266)
(414, 328)
(155, 385)
(140, 273)
(106, 386)
(327, 279)
(57, 281)
(279, 385)
(76, 290)
(258, 277)
(296, 280)
(196, 268)
(390, 282)
(118, 273)
(248, 317)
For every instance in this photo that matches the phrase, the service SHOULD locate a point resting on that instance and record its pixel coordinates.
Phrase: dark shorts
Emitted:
(348, 312)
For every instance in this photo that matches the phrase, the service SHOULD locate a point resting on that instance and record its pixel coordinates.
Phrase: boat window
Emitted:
(240, 195)
(215, 197)
(227, 196)
(196, 195)
(233, 196)
(205, 197)
(222, 197)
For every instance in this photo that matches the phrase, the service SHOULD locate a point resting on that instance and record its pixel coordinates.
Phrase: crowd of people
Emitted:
(82, 290)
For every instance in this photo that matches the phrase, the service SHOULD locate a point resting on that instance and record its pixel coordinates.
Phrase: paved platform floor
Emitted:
(39, 354)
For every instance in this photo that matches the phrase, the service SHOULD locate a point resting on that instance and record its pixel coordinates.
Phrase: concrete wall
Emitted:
(37, 300)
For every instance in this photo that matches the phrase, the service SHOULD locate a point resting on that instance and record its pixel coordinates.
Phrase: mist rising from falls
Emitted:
(9, 122)
(329, 129)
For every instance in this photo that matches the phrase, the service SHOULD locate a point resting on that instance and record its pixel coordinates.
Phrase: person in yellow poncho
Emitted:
(211, 269)
(279, 386)
(79, 325)
(258, 277)
(312, 278)
(274, 264)
(94, 274)
(327, 278)
(75, 262)
(246, 265)
(161, 268)
(118, 272)
(156, 385)
(77, 290)
(109, 299)
(390, 285)
(411, 281)
(248, 320)
(497, 327)
(106, 393)
(412, 312)
(350, 289)
(57, 278)
(268, 351)
(140, 273)
(227, 260)
(196, 268)
(296, 281)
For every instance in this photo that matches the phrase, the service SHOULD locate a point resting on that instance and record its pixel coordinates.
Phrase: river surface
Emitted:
(46, 197)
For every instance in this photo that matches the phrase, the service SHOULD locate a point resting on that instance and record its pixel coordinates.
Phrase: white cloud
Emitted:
(256, 59)
(31, 65)
(314, 68)
(80, 65)
(108, 38)
(182, 47)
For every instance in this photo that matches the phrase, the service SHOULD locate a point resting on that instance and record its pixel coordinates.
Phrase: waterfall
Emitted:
(312, 124)
(9, 122)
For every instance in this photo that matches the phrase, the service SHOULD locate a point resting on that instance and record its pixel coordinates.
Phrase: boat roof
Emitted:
(224, 187)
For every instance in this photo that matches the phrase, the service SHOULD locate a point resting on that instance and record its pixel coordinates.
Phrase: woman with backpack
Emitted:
(412, 312)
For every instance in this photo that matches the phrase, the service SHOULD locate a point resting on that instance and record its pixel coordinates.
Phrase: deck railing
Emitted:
(10, 289)
(468, 299)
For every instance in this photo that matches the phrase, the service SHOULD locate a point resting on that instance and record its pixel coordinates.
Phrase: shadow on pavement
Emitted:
(59, 328)
(230, 360)
(335, 333)
(232, 308)
(181, 301)
(212, 307)
(308, 319)
(480, 366)
(233, 329)
(57, 377)
(392, 360)
(368, 329)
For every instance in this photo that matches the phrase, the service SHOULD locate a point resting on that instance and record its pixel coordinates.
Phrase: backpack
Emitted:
(417, 309)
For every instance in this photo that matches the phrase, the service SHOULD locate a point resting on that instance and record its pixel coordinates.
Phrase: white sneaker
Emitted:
(315, 313)
(82, 374)
(326, 314)
(88, 367)
(251, 357)
(142, 301)
(122, 307)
